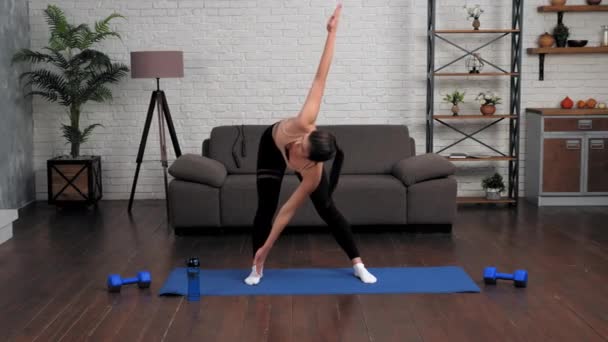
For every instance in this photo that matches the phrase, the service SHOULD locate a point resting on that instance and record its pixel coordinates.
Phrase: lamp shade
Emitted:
(157, 64)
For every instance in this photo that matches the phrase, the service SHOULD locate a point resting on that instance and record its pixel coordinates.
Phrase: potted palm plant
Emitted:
(494, 186)
(69, 71)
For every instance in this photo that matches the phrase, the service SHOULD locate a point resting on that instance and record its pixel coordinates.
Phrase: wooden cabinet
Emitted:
(561, 165)
(567, 157)
(597, 180)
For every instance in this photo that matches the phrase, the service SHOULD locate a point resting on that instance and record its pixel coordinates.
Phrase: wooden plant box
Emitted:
(74, 181)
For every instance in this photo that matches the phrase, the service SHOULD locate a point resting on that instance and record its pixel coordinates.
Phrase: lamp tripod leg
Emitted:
(142, 145)
(163, 147)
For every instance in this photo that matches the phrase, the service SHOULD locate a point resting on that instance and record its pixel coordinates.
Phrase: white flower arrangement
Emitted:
(473, 12)
(488, 98)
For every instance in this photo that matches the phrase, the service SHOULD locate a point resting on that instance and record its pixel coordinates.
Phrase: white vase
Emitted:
(493, 194)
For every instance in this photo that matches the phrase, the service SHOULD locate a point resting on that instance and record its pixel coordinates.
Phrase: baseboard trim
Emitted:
(7, 217)
(573, 201)
(409, 228)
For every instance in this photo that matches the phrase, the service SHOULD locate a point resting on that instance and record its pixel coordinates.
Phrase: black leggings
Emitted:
(270, 171)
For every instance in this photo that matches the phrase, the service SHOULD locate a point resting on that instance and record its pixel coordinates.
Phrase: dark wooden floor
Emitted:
(52, 280)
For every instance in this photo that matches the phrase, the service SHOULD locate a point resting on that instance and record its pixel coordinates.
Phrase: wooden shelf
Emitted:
(465, 74)
(566, 112)
(476, 116)
(574, 8)
(483, 159)
(478, 31)
(541, 52)
(482, 200)
(569, 50)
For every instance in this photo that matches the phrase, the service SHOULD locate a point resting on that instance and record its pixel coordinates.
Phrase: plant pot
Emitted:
(546, 40)
(476, 24)
(74, 181)
(558, 2)
(594, 2)
(493, 194)
(455, 110)
(561, 41)
(487, 109)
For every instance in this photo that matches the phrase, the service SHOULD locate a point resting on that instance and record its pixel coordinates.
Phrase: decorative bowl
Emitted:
(577, 43)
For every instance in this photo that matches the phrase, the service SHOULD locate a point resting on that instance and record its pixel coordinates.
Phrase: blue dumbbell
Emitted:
(519, 277)
(142, 280)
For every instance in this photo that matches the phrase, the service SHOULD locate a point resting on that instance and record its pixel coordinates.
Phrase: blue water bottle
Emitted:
(194, 287)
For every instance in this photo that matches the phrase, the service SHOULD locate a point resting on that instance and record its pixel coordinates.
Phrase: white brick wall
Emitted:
(249, 61)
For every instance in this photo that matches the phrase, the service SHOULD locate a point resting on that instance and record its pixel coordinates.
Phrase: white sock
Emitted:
(254, 277)
(362, 273)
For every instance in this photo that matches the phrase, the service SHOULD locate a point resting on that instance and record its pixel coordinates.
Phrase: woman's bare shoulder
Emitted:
(313, 173)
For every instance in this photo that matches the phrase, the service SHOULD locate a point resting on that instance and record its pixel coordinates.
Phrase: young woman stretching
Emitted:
(296, 143)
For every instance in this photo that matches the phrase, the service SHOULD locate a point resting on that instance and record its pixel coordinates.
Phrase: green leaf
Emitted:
(87, 132)
(58, 59)
(56, 19)
(71, 134)
(95, 59)
(102, 94)
(49, 96)
(75, 136)
(26, 55)
(113, 74)
(45, 79)
(59, 27)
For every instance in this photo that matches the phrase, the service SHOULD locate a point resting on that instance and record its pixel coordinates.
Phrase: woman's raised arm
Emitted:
(308, 114)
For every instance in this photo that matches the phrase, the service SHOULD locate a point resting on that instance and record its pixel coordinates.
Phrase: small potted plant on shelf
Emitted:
(561, 33)
(488, 102)
(76, 73)
(474, 13)
(493, 185)
(454, 98)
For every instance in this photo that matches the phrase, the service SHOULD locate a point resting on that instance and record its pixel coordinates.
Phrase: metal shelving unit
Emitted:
(512, 156)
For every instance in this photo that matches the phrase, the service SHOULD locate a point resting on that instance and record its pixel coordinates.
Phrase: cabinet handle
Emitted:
(585, 124)
(573, 144)
(597, 144)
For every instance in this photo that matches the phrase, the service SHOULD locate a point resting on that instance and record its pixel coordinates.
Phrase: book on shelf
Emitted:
(459, 155)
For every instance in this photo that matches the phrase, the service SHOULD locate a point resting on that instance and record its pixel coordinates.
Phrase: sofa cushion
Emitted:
(371, 149)
(371, 199)
(432, 202)
(362, 199)
(368, 149)
(198, 169)
(423, 167)
(193, 205)
(222, 143)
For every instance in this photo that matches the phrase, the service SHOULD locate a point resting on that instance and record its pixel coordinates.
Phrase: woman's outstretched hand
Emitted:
(332, 23)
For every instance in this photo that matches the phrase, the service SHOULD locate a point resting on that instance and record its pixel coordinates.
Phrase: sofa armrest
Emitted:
(420, 168)
(199, 169)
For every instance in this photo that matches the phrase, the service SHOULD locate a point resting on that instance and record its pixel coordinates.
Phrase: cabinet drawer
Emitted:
(575, 124)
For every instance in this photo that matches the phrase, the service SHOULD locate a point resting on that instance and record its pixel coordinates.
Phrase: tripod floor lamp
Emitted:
(157, 64)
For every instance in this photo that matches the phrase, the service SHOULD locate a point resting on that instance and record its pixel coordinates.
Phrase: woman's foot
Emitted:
(362, 273)
(254, 278)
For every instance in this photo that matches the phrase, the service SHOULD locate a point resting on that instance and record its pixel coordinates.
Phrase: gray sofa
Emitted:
(382, 182)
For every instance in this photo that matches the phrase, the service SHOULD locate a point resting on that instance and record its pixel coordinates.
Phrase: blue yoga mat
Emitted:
(320, 281)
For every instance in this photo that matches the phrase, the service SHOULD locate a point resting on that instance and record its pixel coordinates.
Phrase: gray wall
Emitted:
(16, 124)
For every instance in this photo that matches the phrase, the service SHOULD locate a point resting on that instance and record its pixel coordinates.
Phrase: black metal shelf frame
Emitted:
(514, 96)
